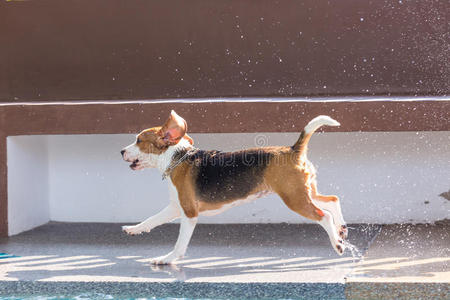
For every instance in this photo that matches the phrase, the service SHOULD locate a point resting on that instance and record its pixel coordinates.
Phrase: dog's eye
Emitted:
(138, 141)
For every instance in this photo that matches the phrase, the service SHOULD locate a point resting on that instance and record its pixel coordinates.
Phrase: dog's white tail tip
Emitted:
(320, 121)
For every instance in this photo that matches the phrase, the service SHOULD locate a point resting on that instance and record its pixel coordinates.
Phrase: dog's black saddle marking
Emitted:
(221, 176)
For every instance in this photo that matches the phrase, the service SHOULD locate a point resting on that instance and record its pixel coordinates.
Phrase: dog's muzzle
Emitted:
(134, 165)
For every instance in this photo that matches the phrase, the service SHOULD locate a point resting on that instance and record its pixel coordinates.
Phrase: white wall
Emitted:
(27, 183)
(380, 177)
(91, 183)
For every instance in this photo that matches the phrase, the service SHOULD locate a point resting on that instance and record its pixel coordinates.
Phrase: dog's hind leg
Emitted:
(331, 204)
(302, 204)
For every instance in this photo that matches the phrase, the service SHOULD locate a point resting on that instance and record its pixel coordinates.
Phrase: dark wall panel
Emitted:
(135, 49)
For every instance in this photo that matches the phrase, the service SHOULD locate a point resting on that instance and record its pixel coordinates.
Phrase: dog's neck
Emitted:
(165, 159)
(177, 159)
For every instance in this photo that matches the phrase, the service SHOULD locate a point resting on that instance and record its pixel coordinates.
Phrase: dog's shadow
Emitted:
(270, 268)
(95, 268)
(174, 271)
(240, 269)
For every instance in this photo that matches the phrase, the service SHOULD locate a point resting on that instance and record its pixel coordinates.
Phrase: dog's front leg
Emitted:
(170, 213)
(186, 229)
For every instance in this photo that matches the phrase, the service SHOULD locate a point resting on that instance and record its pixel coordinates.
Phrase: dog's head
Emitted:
(152, 146)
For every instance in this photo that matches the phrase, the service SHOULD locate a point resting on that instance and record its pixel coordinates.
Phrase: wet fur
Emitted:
(226, 176)
(218, 178)
(211, 181)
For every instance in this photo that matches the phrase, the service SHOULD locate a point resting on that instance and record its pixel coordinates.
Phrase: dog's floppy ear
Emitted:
(173, 130)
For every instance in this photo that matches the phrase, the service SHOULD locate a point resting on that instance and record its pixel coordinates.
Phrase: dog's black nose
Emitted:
(122, 152)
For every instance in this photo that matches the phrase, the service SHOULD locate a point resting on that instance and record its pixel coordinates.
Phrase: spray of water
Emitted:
(356, 253)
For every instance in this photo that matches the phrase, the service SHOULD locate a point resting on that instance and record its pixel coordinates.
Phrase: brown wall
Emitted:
(134, 49)
(222, 117)
(3, 188)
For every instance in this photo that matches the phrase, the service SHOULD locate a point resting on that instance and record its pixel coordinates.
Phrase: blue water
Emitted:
(6, 255)
(91, 296)
(96, 297)
(86, 296)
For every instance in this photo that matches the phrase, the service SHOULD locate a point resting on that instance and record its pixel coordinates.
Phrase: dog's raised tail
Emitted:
(302, 143)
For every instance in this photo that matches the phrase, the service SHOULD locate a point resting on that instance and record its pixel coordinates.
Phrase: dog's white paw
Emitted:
(164, 260)
(133, 230)
(339, 247)
(343, 231)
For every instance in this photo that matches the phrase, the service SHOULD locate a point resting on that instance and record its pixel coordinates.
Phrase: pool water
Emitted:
(85, 296)
(93, 297)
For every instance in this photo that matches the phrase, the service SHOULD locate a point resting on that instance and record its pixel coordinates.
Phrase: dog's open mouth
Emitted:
(135, 164)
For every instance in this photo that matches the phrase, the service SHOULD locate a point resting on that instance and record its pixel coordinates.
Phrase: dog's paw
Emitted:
(132, 230)
(339, 247)
(164, 260)
(343, 232)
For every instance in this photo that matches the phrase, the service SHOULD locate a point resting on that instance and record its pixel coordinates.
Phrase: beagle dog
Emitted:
(209, 182)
